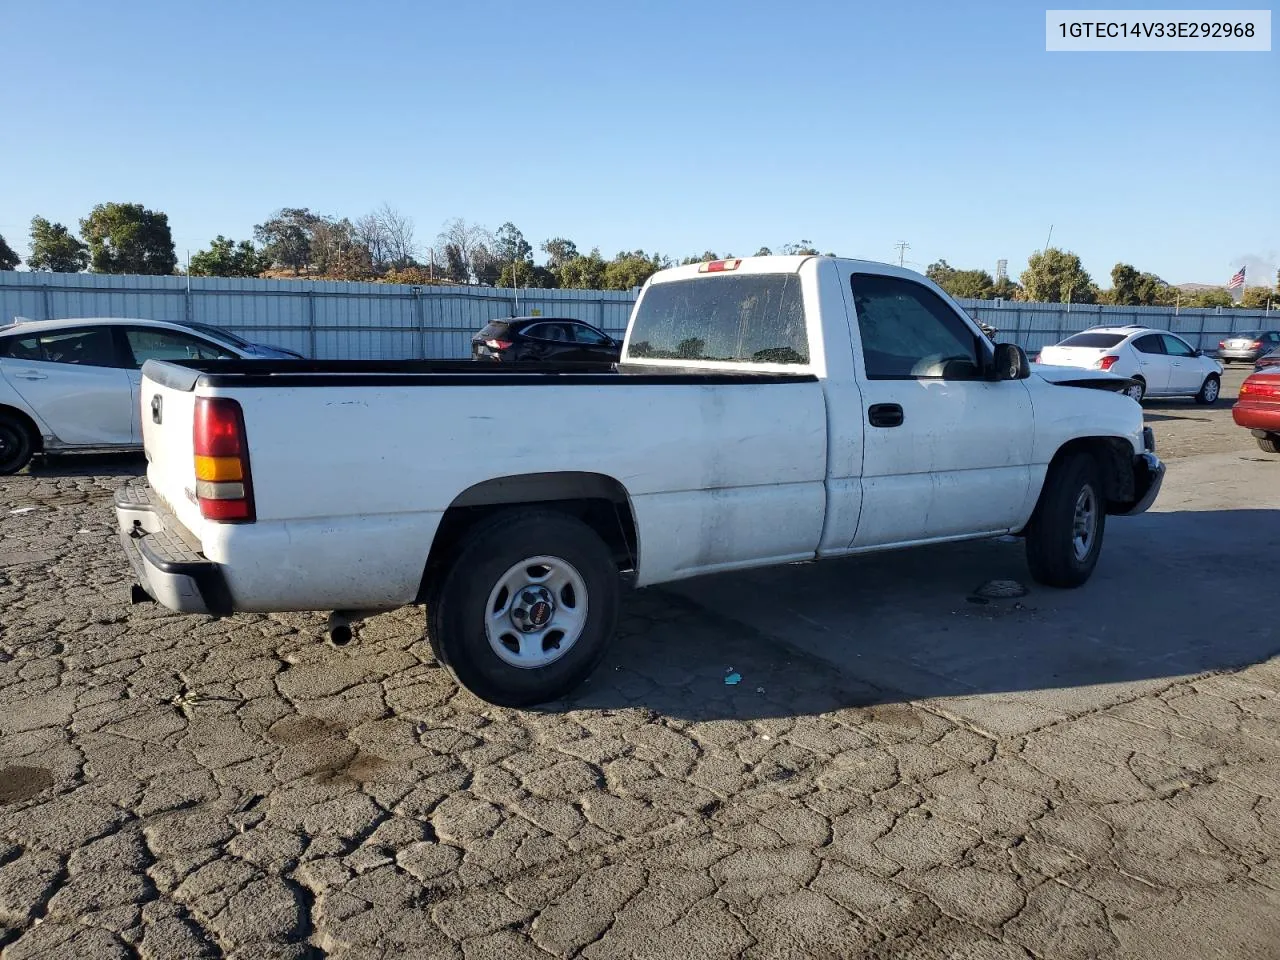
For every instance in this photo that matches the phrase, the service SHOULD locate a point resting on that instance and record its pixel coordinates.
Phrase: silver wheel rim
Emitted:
(1135, 391)
(1084, 526)
(1211, 390)
(536, 612)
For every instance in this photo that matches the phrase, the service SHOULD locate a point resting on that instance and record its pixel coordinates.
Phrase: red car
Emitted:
(1258, 408)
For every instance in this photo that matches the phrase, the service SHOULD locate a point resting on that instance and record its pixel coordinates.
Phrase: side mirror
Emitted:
(1011, 362)
(1199, 352)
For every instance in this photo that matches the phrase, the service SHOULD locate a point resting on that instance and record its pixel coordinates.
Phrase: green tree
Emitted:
(8, 259)
(55, 248)
(526, 275)
(286, 237)
(1257, 298)
(128, 238)
(226, 258)
(1056, 276)
(802, 249)
(582, 272)
(630, 269)
(705, 257)
(940, 272)
(510, 246)
(973, 284)
(1212, 297)
(559, 251)
(1006, 289)
(1124, 285)
(764, 252)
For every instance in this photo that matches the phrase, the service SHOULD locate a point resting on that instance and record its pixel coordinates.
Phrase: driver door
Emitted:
(947, 453)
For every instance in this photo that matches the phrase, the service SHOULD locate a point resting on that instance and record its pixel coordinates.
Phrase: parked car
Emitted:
(768, 410)
(1156, 362)
(1248, 347)
(544, 338)
(73, 384)
(1268, 361)
(1258, 408)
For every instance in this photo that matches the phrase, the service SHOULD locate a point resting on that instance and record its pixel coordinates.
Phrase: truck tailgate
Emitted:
(168, 415)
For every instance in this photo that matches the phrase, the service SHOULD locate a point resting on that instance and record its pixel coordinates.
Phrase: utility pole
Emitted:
(1050, 238)
(903, 247)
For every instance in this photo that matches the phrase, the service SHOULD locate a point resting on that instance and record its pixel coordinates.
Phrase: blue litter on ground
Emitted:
(733, 679)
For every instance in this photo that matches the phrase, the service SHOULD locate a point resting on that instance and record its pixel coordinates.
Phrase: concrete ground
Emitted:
(901, 771)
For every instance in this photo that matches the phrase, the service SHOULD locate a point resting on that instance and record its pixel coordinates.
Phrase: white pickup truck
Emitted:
(766, 410)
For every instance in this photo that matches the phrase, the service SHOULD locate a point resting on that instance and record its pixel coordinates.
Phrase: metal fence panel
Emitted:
(335, 320)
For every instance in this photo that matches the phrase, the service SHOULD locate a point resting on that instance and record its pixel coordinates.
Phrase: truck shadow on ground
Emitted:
(1174, 594)
(122, 465)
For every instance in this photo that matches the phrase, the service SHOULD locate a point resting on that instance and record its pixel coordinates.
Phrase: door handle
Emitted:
(885, 415)
(31, 375)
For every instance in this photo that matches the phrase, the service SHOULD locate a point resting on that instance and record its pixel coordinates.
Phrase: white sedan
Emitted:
(73, 384)
(1159, 363)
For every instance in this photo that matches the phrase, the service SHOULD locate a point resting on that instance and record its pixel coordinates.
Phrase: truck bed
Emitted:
(185, 375)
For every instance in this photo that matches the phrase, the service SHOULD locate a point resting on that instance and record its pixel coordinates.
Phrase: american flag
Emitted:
(1237, 280)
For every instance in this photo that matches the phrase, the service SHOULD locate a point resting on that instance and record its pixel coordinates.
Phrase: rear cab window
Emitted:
(752, 318)
(1096, 340)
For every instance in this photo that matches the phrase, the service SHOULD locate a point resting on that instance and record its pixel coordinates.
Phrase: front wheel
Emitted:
(1136, 390)
(1064, 537)
(1209, 390)
(527, 609)
(1270, 443)
(16, 445)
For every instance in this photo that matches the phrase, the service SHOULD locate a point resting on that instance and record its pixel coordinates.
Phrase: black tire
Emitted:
(1203, 397)
(17, 446)
(1052, 550)
(456, 609)
(1270, 443)
(1141, 388)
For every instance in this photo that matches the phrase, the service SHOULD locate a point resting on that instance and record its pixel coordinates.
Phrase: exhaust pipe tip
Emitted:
(340, 634)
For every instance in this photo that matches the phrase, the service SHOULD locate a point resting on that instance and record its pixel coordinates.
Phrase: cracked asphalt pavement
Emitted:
(181, 787)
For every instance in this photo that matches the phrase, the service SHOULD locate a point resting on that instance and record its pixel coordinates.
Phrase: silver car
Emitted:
(1248, 347)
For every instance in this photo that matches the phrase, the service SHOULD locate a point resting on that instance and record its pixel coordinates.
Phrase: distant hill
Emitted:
(1193, 287)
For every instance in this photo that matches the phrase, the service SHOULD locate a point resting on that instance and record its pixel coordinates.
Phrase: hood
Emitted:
(1079, 377)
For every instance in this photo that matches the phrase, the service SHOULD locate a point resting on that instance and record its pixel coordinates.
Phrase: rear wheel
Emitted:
(1270, 443)
(1209, 390)
(527, 609)
(16, 444)
(1136, 390)
(1064, 537)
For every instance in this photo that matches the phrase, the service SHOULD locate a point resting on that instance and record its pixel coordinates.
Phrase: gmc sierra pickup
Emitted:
(765, 411)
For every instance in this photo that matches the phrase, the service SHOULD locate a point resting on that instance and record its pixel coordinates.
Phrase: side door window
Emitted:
(83, 346)
(1176, 347)
(148, 344)
(910, 333)
(587, 336)
(1151, 344)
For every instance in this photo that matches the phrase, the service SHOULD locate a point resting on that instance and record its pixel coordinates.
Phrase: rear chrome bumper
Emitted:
(169, 569)
(1148, 475)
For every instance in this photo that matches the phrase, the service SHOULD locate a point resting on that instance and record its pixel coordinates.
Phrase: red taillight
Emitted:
(1258, 388)
(1107, 362)
(1257, 345)
(1222, 344)
(224, 488)
(498, 344)
(1037, 359)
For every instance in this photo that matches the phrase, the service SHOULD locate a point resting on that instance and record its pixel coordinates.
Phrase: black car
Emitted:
(544, 338)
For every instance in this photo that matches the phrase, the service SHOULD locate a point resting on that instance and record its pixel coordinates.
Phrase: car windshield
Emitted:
(1102, 340)
(226, 335)
(753, 318)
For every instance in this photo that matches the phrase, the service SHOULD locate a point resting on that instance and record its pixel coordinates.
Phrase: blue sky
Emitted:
(668, 126)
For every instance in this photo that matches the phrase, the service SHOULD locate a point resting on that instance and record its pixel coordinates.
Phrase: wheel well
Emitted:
(601, 502)
(1114, 456)
(37, 441)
